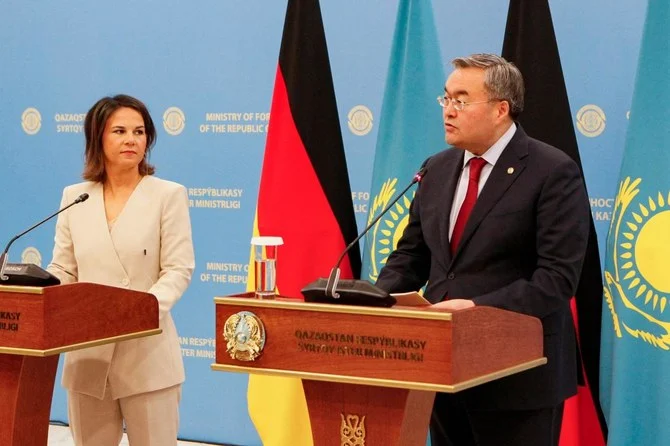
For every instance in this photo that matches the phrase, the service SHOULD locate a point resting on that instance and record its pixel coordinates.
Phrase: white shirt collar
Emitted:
(493, 153)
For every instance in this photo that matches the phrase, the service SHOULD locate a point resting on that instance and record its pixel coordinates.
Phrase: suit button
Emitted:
(451, 276)
(125, 282)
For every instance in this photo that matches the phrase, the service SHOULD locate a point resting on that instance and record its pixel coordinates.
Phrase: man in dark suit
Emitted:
(500, 219)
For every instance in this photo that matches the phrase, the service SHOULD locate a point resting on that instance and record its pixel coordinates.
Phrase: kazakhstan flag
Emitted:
(635, 351)
(410, 127)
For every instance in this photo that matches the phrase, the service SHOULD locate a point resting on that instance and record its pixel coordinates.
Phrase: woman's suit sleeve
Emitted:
(63, 264)
(177, 260)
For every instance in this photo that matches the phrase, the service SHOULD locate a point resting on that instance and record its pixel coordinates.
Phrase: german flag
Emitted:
(304, 197)
(530, 43)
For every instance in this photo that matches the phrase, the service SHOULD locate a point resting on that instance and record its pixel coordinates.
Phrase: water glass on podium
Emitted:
(265, 265)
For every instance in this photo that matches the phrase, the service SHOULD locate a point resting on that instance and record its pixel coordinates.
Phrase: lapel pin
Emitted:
(510, 170)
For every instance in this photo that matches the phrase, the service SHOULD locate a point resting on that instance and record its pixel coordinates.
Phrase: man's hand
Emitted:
(454, 304)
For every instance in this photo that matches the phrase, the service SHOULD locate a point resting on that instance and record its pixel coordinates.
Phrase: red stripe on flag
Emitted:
(291, 204)
(580, 421)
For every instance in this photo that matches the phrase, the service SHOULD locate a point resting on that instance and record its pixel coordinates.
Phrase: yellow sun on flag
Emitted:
(644, 254)
(392, 228)
(384, 235)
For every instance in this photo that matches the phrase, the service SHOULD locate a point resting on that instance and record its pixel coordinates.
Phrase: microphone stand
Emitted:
(5, 256)
(334, 278)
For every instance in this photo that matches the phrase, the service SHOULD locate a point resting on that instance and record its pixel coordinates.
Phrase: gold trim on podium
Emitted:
(21, 289)
(286, 304)
(383, 382)
(67, 348)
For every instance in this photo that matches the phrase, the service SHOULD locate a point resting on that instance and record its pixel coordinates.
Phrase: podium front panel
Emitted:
(405, 347)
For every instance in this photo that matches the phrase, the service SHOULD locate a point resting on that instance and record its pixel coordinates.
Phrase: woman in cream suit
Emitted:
(133, 232)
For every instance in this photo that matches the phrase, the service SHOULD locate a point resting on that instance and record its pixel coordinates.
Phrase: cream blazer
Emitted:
(149, 248)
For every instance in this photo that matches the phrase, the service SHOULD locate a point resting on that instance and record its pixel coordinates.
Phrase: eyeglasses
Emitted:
(459, 105)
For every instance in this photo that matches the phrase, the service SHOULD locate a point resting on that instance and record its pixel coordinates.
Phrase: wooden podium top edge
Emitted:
(414, 385)
(298, 305)
(79, 346)
(21, 289)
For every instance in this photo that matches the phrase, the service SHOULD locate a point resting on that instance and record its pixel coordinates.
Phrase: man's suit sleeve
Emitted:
(408, 267)
(562, 229)
(177, 260)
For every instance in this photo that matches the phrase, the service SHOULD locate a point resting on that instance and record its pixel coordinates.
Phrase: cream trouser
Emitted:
(152, 418)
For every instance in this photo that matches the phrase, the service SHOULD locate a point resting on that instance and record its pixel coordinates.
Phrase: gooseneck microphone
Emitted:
(4, 256)
(334, 278)
(355, 292)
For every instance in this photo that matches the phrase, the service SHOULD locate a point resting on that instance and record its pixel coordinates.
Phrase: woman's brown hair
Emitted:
(94, 126)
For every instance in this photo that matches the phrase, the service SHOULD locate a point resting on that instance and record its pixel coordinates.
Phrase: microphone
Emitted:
(29, 274)
(353, 291)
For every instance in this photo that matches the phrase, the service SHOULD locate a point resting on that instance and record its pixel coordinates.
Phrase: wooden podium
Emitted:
(37, 324)
(370, 374)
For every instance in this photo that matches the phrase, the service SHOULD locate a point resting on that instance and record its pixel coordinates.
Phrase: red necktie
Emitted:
(476, 165)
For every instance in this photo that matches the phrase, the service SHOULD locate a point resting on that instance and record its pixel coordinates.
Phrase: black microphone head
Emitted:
(83, 197)
(419, 175)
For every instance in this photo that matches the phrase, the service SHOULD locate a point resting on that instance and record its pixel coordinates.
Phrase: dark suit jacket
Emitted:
(522, 250)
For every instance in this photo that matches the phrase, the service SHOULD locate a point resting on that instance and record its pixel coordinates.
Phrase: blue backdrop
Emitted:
(206, 70)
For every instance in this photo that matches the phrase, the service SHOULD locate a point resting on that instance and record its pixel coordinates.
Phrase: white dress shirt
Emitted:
(491, 157)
